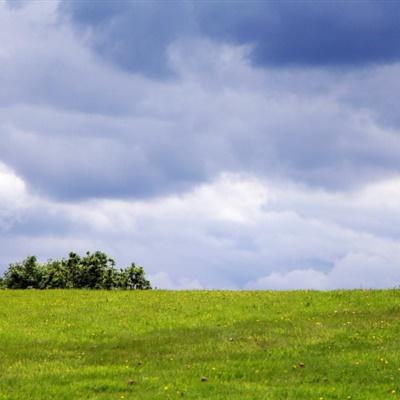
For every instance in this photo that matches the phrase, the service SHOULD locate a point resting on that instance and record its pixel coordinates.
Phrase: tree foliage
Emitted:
(92, 271)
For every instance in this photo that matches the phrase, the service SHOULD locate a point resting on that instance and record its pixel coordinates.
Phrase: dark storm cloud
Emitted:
(308, 32)
(75, 127)
(74, 157)
(136, 34)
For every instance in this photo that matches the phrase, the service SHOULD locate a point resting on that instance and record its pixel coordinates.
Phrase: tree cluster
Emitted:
(92, 271)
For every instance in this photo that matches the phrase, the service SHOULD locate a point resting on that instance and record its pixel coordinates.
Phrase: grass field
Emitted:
(199, 345)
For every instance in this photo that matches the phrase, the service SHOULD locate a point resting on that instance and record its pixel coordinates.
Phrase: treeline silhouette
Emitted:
(92, 271)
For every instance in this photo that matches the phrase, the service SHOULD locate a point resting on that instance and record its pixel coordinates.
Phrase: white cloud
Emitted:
(235, 232)
(296, 279)
(13, 196)
(359, 271)
(12, 187)
(162, 280)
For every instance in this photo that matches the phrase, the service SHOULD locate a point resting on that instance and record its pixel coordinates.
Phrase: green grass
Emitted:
(158, 345)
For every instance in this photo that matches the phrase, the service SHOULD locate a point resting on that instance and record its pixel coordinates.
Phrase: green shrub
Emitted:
(92, 271)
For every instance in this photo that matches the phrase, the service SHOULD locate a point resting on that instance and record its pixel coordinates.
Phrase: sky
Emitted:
(220, 144)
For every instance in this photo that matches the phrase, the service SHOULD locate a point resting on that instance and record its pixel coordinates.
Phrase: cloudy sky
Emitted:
(241, 145)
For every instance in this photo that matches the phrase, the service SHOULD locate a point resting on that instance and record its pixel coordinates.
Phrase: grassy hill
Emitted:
(198, 345)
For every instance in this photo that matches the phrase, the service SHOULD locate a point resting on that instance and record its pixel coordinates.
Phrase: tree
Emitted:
(134, 277)
(25, 274)
(55, 275)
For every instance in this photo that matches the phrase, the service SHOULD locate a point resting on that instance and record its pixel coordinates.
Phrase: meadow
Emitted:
(81, 344)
